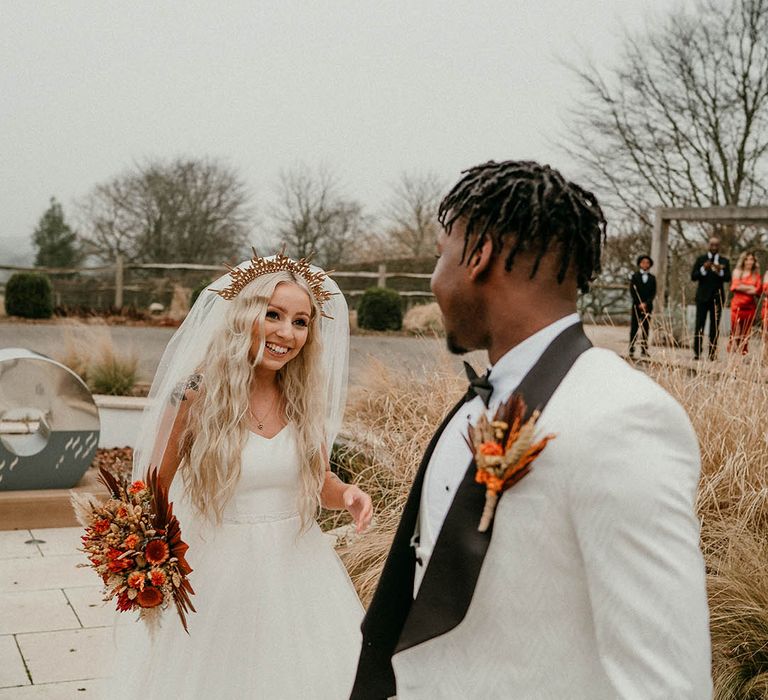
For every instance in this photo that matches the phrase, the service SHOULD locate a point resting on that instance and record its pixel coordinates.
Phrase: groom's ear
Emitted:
(480, 261)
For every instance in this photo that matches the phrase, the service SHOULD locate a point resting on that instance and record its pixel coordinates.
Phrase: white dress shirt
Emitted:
(452, 455)
(715, 259)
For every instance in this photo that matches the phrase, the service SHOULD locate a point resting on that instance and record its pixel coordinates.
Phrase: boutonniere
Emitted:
(504, 450)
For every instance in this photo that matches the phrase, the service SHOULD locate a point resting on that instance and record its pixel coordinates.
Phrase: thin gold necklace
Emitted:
(260, 421)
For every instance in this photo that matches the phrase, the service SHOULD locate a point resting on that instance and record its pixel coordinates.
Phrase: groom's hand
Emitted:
(359, 505)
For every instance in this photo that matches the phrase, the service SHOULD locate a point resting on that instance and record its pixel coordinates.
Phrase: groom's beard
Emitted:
(453, 345)
(456, 348)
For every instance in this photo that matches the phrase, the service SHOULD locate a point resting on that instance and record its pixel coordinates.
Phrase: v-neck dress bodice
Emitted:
(277, 616)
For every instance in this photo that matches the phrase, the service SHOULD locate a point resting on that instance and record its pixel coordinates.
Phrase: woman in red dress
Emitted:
(746, 287)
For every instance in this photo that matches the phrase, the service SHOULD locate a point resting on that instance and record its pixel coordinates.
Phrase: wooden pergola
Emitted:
(711, 215)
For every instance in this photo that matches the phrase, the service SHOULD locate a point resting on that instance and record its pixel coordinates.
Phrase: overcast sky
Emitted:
(369, 88)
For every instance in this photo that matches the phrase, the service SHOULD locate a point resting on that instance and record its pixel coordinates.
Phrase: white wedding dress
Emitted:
(277, 616)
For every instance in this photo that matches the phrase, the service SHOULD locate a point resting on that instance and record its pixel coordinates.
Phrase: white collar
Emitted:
(511, 367)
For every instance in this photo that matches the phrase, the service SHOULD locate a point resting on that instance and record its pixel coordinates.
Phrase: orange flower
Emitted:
(137, 487)
(132, 541)
(492, 483)
(150, 597)
(156, 577)
(101, 526)
(491, 449)
(136, 579)
(156, 551)
(122, 512)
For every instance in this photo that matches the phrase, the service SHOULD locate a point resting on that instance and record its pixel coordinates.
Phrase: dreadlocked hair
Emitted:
(534, 207)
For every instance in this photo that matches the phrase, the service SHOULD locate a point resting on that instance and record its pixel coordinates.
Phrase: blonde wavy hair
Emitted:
(742, 259)
(216, 429)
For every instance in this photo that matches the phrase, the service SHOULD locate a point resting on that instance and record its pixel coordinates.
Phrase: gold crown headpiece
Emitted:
(258, 266)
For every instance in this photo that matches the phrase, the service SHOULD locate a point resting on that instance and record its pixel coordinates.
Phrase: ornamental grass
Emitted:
(91, 353)
(727, 402)
(391, 418)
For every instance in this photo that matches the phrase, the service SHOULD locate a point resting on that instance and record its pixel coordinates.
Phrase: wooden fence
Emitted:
(117, 272)
(604, 299)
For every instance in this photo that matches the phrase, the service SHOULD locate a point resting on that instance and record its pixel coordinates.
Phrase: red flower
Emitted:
(101, 526)
(150, 597)
(122, 512)
(137, 487)
(118, 565)
(156, 552)
(124, 603)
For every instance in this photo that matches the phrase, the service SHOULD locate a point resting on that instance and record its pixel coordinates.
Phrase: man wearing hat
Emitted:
(642, 287)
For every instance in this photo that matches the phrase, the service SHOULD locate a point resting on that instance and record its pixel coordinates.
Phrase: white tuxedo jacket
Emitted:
(593, 585)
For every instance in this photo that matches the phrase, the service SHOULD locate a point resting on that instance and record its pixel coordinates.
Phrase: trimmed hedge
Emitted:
(29, 295)
(380, 309)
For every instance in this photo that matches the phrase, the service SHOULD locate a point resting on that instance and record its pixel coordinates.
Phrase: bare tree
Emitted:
(412, 214)
(682, 120)
(313, 217)
(183, 211)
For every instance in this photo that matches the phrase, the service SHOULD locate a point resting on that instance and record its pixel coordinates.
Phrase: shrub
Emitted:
(29, 295)
(380, 310)
(198, 290)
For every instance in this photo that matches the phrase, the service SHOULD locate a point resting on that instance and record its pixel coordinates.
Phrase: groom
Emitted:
(589, 584)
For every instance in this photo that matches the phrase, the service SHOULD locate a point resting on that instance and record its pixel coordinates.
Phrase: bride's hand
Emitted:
(359, 505)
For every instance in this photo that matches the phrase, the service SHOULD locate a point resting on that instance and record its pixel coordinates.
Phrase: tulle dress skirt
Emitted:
(277, 616)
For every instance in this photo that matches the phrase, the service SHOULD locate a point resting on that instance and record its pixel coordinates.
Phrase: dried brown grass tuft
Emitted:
(728, 405)
(389, 423)
(90, 352)
(391, 419)
(424, 318)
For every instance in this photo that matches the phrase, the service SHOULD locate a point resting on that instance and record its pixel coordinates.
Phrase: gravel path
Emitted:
(148, 344)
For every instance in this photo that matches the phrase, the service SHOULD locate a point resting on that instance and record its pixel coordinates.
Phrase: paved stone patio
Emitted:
(55, 632)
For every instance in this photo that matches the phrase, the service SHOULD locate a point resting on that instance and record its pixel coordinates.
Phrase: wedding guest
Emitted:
(642, 288)
(711, 270)
(746, 288)
(244, 408)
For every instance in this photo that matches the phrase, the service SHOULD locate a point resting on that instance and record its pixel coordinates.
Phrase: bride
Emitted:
(244, 408)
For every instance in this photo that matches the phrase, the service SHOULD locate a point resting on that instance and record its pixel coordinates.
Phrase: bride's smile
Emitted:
(286, 327)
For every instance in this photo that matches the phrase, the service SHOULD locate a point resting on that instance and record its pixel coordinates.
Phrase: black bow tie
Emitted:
(478, 386)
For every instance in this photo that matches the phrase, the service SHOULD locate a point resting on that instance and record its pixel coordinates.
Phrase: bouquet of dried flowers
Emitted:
(133, 542)
(503, 449)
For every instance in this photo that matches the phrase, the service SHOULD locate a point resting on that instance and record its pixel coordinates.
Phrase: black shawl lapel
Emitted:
(451, 576)
(392, 600)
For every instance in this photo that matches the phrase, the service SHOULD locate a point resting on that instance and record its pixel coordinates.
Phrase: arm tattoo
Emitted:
(191, 383)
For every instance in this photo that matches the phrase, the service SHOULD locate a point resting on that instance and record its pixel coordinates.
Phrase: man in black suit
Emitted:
(711, 271)
(642, 288)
